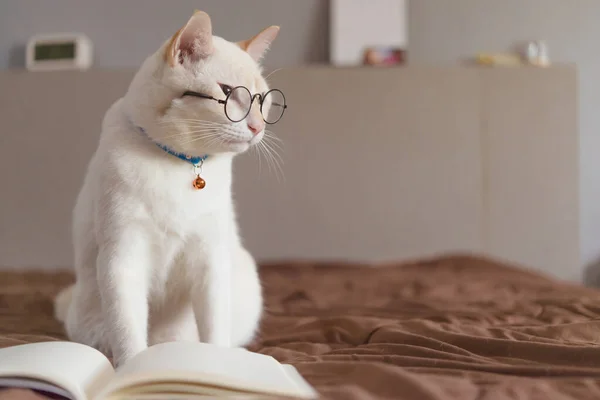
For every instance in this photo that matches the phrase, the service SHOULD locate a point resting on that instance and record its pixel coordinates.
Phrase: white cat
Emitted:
(157, 255)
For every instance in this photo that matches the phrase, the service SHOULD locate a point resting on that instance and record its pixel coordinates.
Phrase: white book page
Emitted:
(77, 369)
(198, 364)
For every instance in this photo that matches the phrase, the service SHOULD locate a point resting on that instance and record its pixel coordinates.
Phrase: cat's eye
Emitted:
(226, 89)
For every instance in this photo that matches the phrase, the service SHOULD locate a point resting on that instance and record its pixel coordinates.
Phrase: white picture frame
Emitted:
(358, 24)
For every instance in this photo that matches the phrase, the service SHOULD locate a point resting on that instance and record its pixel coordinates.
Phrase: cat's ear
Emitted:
(193, 41)
(259, 44)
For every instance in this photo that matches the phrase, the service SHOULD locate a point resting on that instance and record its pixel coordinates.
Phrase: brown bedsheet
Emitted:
(453, 327)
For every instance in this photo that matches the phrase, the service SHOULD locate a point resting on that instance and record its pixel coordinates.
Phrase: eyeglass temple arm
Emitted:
(203, 96)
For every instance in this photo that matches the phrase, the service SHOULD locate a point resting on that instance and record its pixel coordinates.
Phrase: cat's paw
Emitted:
(123, 357)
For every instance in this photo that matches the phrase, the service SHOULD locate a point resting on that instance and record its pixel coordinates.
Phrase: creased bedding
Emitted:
(452, 327)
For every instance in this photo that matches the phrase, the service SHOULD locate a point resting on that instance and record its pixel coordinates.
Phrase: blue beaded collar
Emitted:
(197, 162)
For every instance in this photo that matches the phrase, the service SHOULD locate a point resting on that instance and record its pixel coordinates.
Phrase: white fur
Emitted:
(155, 259)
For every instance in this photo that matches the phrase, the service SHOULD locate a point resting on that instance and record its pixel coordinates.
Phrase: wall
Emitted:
(362, 179)
(442, 32)
(125, 32)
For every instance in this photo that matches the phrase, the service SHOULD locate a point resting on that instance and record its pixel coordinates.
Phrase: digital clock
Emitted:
(59, 51)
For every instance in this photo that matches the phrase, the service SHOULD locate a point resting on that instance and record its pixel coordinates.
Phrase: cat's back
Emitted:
(91, 185)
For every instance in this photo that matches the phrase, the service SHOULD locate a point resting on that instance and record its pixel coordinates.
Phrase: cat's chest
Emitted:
(172, 200)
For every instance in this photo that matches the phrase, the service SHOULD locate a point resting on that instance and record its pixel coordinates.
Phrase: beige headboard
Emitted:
(379, 164)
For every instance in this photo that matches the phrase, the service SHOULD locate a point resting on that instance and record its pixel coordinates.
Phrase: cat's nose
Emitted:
(255, 129)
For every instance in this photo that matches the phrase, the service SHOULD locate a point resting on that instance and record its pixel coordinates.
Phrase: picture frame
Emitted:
(357, 26)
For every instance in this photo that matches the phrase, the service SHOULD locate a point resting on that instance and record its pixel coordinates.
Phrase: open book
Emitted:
(176, 370)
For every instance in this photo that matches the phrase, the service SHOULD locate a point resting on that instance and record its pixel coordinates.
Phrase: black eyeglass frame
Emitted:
(252, 98)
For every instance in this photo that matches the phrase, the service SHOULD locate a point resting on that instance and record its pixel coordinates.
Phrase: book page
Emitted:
(197, 365)
(78, 370)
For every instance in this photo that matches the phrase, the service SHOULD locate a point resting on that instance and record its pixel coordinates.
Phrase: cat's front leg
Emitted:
(123, 270)
(211, 291)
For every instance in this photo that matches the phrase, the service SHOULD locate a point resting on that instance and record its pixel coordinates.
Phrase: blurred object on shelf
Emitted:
(531, 53)
(499, 59)
(384, 56)
(536, 54)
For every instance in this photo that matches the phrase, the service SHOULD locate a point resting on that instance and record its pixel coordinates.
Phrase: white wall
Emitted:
(124, 32)
(442, 31)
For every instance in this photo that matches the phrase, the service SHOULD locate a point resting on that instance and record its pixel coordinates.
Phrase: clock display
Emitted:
(55, 51)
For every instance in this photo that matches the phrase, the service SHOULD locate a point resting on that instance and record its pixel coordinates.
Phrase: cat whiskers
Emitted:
(272, 73)
(196, 126)
(218, 140)
(256, 149)
(191, 123)
(213, 132)
(269, 147)
(277, 142)
(194, 132)
(272, 165)
(214, 137)
(202, 136)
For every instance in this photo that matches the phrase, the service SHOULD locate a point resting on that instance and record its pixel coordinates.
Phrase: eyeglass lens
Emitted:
(276, 101)
(238, 104)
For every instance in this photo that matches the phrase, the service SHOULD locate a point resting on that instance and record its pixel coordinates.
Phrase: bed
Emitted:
(450, 327)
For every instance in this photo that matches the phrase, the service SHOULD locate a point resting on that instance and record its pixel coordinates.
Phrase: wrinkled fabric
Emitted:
(453, 327)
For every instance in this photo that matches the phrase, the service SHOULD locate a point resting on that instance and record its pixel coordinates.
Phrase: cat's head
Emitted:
(178, 94)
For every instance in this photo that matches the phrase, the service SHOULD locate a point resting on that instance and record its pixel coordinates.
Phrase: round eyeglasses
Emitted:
(239, 101)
